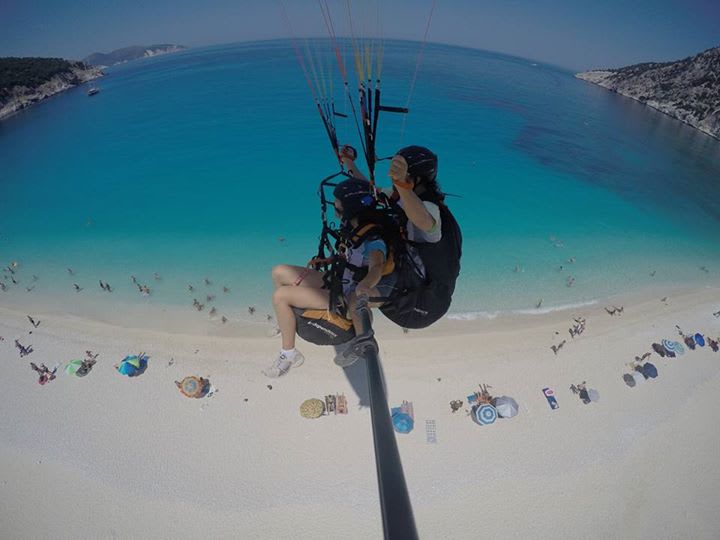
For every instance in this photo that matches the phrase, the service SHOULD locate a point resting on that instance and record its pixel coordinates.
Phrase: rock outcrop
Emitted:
(131, 53)
(22, 91)
(688, 89)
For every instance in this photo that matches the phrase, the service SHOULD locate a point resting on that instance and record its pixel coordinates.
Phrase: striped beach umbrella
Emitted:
(673, 346)
(485, 414)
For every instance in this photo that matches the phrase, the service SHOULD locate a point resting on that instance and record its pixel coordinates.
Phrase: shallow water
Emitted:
(206, 163)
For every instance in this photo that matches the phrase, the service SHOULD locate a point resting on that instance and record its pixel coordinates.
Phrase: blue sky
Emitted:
(577, 34)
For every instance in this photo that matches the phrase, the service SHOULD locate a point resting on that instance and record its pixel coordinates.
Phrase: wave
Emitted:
(489, 315)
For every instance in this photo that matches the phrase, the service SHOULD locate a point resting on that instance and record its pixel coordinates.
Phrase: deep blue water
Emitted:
(196, 164)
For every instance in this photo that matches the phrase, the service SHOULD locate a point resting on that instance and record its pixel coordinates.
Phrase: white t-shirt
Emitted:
(416, 234)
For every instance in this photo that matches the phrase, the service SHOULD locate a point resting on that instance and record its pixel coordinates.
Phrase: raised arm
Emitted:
(348, 155)
(412, 204)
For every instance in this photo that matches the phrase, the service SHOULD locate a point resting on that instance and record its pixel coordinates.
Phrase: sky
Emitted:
(574, 34)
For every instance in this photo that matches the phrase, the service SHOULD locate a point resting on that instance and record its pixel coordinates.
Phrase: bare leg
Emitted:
(286, 274)
(288, 296)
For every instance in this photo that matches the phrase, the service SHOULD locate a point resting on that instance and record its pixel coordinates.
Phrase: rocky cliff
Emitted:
(24, 81)
(131, 53)
(688, 89)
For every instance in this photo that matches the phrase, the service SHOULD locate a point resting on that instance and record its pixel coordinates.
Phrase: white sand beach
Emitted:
(106, 456)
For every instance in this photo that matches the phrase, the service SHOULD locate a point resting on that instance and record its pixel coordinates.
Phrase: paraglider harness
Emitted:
(426, 272)
(379, 222)
(423, 293)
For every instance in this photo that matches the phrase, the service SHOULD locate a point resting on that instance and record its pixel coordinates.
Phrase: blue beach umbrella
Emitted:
(403, 422)
(699, 339)
(132, 366)
(485, 414)
(649, 371)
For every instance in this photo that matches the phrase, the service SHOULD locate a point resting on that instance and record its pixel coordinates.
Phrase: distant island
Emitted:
(130, 53)
(24, 81)
(687, 89)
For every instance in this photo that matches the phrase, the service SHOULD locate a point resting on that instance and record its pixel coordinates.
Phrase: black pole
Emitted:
(397, 514)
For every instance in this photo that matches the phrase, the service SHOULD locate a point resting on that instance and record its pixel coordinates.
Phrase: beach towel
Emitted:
(549, 394)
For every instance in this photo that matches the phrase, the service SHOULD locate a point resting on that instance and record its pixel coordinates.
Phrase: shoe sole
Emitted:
(299, 363)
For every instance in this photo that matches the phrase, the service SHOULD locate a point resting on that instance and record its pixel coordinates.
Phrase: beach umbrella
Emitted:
(649, 371)
(699, 339)
(133, 365)
(673, 346)
(638, 376)
(505, 406)
(312, 408)
(73, 367)
(593, 395)
(484, 414)
(403, 422)
(661, 350)
(629, 380)
(194, 387)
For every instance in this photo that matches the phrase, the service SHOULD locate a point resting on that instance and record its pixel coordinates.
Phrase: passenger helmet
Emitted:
(355, 195)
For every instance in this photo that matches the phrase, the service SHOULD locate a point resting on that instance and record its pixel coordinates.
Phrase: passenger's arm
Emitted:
(376, 260)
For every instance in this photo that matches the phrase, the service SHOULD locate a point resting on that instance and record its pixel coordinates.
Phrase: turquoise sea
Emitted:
(205, 163)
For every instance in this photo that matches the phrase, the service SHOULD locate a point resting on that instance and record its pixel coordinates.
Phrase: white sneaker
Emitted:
(282, 365)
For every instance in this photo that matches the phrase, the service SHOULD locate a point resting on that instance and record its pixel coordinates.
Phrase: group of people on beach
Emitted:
(370, 269)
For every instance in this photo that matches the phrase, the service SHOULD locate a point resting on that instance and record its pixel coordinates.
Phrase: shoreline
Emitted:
(600, 78)
(183, 320)
(106, 446)
(23, 97)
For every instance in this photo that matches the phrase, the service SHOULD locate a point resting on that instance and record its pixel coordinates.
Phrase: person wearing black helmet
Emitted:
(413, 172)
(368, 272)
(428, 267)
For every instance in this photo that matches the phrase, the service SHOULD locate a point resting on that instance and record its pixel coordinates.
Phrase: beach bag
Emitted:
(321, 327)
(417, 301)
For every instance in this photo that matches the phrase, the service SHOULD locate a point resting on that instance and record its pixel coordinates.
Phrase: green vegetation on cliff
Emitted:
(30, 72)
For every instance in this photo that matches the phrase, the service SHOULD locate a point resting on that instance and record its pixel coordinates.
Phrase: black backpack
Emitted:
(418, 302)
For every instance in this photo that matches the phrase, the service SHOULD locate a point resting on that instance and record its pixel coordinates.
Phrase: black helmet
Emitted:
(355, 195)
(421, 163)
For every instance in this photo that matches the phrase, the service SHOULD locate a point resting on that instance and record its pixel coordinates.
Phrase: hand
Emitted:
(362, 290)
(399, 173)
